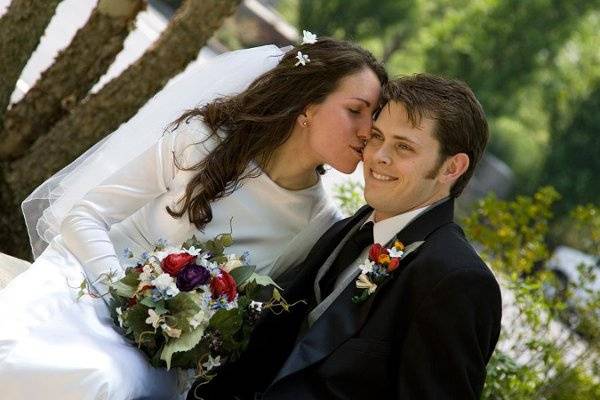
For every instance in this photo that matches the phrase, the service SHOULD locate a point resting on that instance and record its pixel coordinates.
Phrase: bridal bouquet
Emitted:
(191, 307)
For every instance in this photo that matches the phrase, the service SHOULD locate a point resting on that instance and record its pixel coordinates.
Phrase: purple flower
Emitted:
(191, 276)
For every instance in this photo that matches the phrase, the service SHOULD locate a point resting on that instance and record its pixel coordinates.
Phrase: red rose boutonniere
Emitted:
(379, 266)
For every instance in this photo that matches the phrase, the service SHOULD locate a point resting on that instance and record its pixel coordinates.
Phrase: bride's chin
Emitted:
(346, 168)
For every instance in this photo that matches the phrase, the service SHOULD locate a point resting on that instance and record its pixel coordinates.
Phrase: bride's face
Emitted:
(336, 125)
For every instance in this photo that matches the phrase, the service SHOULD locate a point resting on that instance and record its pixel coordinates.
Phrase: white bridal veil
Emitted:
(230, 73)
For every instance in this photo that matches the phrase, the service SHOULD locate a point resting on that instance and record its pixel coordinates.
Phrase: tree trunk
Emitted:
(74, 72)
(20, 31)
(13, 233)
(116, 102)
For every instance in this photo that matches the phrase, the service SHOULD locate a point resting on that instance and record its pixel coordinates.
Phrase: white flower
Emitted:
(363, 282)
(257, 305)
(193, 251)
(163, 282)
(199, 319)
(154, 263)
(395, 253)
(172, 290)
(302, 59)
(366, 267)
(120, 316)
(146, 274)
(153, 319)
(172, 332)
(203, 260)
(213, 268)
(308, 37)
(233, 262)
(212, 362)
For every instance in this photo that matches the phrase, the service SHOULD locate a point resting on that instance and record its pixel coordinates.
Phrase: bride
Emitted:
(249, 157)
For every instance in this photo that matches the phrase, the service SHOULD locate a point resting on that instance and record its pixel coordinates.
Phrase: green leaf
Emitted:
(276, 295)
(148, 302)
(132, 278)
(263, 280)
(192, 242)
(226, 239)
(122, 289)
(215, 247)
(185, 342)
(227, 322)
(189, 358)
(184, 301)
(136, 320)
(242, 274)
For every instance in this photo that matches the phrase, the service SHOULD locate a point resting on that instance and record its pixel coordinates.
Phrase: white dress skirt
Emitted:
(55, 346)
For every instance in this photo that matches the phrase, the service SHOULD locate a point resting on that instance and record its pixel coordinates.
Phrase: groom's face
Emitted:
(401, 164)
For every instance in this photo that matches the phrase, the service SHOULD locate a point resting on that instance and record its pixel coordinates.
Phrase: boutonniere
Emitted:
(378, 267)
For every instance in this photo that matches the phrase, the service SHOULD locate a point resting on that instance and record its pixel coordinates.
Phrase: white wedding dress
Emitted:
(53, 346)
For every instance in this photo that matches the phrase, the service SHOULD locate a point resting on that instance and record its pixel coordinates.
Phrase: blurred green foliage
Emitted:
(550, 339)
(349, 196)
(573, 163)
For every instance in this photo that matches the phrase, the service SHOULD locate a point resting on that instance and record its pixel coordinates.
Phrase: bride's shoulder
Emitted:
(192, 140)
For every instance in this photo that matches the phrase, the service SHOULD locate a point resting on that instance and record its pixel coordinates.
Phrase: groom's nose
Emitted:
(382, 155)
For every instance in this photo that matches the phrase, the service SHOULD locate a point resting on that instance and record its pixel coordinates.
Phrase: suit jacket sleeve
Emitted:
(451, 338)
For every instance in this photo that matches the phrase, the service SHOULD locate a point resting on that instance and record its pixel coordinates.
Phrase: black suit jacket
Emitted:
(426, 333)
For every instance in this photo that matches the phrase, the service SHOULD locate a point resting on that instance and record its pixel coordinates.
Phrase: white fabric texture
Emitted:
(229, 73)
(54, 347)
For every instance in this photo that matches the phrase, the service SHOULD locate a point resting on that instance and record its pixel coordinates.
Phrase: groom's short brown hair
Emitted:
(460, 124)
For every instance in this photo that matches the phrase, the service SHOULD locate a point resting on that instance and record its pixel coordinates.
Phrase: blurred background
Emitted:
(74, 70)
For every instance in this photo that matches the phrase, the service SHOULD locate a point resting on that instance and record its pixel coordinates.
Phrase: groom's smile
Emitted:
(382, 177)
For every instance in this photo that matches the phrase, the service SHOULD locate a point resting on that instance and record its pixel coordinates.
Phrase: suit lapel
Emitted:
(301, 279)
(343, 319)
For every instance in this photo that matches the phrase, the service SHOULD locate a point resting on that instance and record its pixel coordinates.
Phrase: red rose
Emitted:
(394, 262)
(173, 263)
(224, 284)
(375, 251)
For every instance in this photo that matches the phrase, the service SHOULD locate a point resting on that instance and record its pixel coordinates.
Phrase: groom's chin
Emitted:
(371, 199)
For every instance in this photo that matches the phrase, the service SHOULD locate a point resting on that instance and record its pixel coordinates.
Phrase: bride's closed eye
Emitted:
(376, 136)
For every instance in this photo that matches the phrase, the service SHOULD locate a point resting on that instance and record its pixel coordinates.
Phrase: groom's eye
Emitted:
(376, 135)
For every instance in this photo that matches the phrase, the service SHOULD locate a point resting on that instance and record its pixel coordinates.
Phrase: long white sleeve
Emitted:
(85, 229)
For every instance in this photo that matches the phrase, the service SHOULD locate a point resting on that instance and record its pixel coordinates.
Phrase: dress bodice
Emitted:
(128, 211)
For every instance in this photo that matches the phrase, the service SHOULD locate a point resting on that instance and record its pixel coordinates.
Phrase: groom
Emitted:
(427, 331)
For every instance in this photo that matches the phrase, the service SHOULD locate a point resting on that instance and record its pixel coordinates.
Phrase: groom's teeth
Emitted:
(381, 177)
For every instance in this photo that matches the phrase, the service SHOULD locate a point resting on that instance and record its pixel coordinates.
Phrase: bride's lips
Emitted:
(381, 177)
(358, 150)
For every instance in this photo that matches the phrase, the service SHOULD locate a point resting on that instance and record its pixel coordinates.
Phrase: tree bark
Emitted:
(101, 113)
(74, 72)
(21, 28)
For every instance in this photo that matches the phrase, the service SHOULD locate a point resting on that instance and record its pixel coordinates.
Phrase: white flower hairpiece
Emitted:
(302, 59)
(308, 37)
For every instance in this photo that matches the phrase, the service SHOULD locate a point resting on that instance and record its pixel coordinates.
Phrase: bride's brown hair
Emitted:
(260, 119)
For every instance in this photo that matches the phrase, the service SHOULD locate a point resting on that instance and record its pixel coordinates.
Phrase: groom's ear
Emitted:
(454, 167)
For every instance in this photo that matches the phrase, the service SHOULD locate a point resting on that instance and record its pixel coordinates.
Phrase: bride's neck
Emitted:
(291, 166)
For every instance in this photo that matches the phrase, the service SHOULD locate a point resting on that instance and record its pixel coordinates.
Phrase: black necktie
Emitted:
(350, 251)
